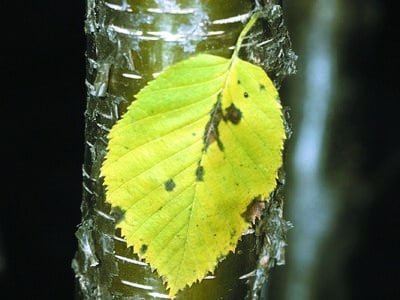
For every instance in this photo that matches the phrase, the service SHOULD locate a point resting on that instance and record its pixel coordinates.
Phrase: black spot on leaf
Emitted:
(233, 114)
(211, 133)
(169, 185)
(245, 94)
(117, 213)
(262, 87)
(143, 249)
(200, 173)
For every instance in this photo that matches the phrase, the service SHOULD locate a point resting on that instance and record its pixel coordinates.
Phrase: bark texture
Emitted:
(128, 42)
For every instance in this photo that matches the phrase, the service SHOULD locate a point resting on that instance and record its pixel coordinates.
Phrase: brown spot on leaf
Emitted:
(143, 249)
(200, 173)
(233, 114)
(211, 133)
(169, 185)
(254, 210)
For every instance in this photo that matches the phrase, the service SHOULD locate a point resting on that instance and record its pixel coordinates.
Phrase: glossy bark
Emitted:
(127, 45)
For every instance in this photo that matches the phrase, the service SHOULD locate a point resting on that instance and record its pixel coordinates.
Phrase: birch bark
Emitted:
(128, 43)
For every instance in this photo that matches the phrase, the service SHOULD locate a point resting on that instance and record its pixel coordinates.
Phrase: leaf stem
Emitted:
(244, 32)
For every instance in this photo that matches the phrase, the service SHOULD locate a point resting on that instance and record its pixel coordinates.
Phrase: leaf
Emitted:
(199, 144)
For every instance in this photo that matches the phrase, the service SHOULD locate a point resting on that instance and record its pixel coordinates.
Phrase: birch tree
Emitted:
(128, 44)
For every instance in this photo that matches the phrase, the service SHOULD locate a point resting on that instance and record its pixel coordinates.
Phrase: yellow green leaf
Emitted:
(196, 147)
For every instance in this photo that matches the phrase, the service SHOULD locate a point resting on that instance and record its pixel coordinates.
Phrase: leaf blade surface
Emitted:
(200, 143)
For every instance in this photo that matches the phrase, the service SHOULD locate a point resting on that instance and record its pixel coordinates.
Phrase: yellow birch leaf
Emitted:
(196, 147)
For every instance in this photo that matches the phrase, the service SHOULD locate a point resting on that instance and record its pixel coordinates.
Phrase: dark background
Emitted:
(42, 124)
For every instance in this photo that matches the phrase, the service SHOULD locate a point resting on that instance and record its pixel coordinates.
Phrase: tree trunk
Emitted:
(128, 42)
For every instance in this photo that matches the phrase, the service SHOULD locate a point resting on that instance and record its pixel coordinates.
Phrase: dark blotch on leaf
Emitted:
(169, 185)
(246, 95)
(211, 133)
(262, 87)
(233, 114)
(117, 213)
(200, 173)
(143, 249)
(254, 210)
(238, 82)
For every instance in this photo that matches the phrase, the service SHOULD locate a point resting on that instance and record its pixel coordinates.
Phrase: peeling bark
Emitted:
(127, 44)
